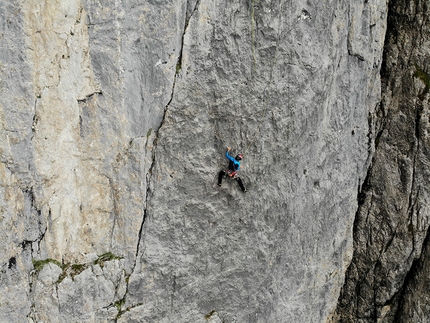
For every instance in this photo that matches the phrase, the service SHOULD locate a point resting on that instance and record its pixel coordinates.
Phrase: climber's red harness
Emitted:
(231, 173)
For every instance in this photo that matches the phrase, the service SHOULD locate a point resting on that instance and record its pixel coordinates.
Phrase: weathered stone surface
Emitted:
(414, 301)
(385, 280)
(90, 292)
(15, 302)
(296, 102)
(45, 291)
(20, 225)
(114, 119)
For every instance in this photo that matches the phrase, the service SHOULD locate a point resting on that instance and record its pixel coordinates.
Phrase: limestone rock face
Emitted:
(388, 278)
(114, 120)
(263, 80)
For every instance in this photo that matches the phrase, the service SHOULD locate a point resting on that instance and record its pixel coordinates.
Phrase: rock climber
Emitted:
(233, 168)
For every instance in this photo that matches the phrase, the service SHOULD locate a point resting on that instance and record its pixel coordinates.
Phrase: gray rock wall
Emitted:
(114, 120)
(388, 276)
(292, 99)
(20, 222)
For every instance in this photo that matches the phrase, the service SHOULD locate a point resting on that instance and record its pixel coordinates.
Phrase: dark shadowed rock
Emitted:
(385, 281)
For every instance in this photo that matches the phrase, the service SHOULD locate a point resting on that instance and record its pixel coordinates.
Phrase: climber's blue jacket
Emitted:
(234, 164)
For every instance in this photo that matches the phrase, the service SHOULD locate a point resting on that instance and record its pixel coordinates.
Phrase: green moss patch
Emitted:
(108, 256)
(73, 270)
(178, 67)
(63, 274)
(119, 304)
(39, 264)
(76, 269)
(424, 77)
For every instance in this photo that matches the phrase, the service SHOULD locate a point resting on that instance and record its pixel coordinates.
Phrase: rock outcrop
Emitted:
(387, 279)
(115, 117)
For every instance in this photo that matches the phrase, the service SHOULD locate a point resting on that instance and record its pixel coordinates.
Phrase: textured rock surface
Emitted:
(295, 96)
(20, 223)
(114, 121)
(385, 282)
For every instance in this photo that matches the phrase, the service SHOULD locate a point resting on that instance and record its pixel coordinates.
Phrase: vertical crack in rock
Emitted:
(115, 200)
(36, 228)
(190, 14)
(188, 17)
(412, 280)
(391, 234)
(35, 120)
(148, 183)
(34, 234)
(413, 196)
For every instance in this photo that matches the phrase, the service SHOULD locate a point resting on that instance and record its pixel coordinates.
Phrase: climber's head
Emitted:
(239, 157)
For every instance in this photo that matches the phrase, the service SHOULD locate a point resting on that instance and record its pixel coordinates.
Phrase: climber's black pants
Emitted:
(239, 181)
